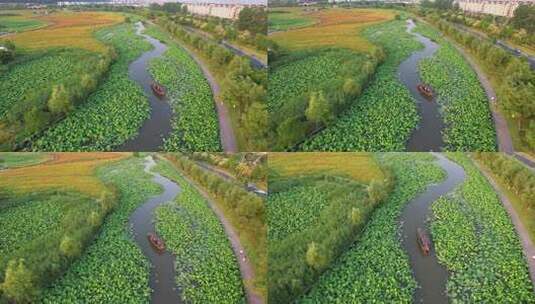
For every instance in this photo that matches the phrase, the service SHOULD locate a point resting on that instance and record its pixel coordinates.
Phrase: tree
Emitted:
(19, 283)
(7, 51)
(314, 258)
(255, 121)
(351, 87)
(35, 119)
(524, 17)
(70, 247)
(60, 100)
(318, 110)
(253, 19)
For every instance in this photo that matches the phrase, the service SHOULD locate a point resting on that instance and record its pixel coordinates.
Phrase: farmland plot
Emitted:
(113, 268)
(383, 117)
(376, 268)
(114, 112)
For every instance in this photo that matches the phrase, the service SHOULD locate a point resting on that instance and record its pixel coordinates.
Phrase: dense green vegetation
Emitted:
(324, 83)
(113, 268)
(376, 267)
(41, 235)
(114, 112)
(195, 124)
(243, 89)
(13, 23)
(244, 210)
(41, 88)
(475, 239)
(206, 268)
(517, 179)
(512, 78)
(383, 117)
(13, 159)
(465, 108)
(279, 20)
(312, 219)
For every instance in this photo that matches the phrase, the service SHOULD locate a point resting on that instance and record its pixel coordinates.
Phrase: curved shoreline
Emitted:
(430, 275)
(162, 274)
(158, 126)
(428, 134)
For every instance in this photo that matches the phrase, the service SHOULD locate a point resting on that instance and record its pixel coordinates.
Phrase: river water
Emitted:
(430, 275)
(158, 125)
(427, 137)
(162, 275)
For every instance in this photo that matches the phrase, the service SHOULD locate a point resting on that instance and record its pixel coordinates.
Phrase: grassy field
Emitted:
(66, 171)
(359, 166)
(19, 21)
(334, 28)
(67, 29)
(15, 160)
(282, 19)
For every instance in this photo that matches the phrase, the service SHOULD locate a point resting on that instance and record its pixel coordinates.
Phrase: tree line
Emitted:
(41, 107)
(298, 260)
(35, 266)
(243, 88)
(317, 108)
(246, 210)
(516, 177)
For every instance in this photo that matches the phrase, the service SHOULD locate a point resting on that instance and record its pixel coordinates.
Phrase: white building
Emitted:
(221, 10)
(492, 7)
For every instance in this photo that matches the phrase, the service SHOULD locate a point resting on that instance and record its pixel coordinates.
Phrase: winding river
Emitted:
(427, 137)
(162, 275)
(430, 275)
(158, 125)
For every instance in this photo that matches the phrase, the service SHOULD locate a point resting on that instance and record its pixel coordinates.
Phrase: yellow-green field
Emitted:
(66, 29)
(359, 166)
(334, 28)
(62, 171)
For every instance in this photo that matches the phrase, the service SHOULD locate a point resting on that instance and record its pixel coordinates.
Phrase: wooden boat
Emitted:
(425, 90)
(156, 242)
(158, 89)
(423, 241)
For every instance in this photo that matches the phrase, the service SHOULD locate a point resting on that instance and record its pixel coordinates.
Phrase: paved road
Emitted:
(527, 244)
(229, 177)
(226, 133)
(246, 269)
(525, 160)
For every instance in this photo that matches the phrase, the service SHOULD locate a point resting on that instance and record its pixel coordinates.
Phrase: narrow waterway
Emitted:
(427, 136)
(158, 125)
(162, 275)
(430, 275)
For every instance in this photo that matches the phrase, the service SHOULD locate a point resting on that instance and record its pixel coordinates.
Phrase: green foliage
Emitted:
(524, 17)
(195, 124)
(484, 246)
(252, 19)
(464, 104)
(206, 267)
(19, 285)
(376, 267)
(112, 268)
(32, 227)
(114, 112)
(383, 117)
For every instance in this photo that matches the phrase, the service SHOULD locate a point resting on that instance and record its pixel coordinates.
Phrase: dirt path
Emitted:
(226, 133)
(527, 245)
(246, 269)
(505, 143)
